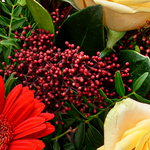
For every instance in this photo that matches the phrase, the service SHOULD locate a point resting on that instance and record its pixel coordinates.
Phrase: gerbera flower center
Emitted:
(6, 133)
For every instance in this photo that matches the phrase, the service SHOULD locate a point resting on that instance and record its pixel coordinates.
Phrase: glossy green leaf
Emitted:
(6, 52)
(79, 136)
(141, 99)
(119, 84)
(139, 64)
(104, 95)
(4, 36)
(83, 28)
(41, 16)
(4, 8)
(9, 2)
(8, 84)
(68, 146)
(17, 11)
(105, 52)
(140, 81)
(56, 145)
(10, 42)
(3, 22)
(89, 144)
(17, 23)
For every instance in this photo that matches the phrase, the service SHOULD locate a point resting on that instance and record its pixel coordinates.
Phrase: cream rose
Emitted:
(121, 15)
(127, 126)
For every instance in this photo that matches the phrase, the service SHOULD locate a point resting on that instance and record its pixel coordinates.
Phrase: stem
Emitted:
(11, 19)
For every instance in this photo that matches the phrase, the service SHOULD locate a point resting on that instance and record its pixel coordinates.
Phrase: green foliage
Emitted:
(83, 28)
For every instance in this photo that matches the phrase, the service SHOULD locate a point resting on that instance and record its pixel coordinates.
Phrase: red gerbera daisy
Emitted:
(21, 120)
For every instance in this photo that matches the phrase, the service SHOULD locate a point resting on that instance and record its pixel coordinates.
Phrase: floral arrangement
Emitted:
(74, 74)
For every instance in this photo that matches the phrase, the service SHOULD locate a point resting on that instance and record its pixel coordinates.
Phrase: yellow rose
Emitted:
(127, 126)
(121, 15)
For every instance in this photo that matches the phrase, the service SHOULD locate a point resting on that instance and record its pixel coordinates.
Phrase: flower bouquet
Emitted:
(74, 75)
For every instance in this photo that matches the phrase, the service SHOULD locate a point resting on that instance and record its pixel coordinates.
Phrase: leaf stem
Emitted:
(11, 19)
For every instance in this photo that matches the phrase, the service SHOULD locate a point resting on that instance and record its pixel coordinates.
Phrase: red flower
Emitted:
(21, 120)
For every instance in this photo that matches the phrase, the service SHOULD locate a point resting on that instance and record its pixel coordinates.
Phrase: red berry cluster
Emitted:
(140, 38)
(64, 76)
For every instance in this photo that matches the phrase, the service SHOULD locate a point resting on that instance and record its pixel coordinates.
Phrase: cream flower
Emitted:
(127, 126)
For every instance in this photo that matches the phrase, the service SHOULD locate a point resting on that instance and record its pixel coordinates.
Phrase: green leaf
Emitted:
(140, 81)
(119, 84)
(68, 122)
(89, 144)
(104, 95)
(10, 42)
(96, 135)
(83, 28)
(6, 52)
(139, 64)
(68, 146)
(3, 22)
(105, 52)
(17, 23)
(41, 16)
(141, 99)
(56, 145)
(79, 136)
(17, 11)
(9, 2)
(21, 2)
(9, 83)
(4, 8)
(137, 48)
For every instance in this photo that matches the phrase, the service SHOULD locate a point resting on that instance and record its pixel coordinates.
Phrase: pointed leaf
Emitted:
(89, 144)
(21, 2)
(79, 136)
(68, 122)
(3, 22)
(68, 146)
(17, 23)
(119, 84)
(137, 48)
(141, 99)
(140, 81)
(56, 145)
(9, 2)
(83, 28)
(10, 42)
(17, 11)
(41, 16)
(4, 8)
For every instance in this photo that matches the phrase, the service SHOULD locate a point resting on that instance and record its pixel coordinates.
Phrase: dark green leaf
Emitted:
(17, 11)
(17, 23)
(4, 8)
(83, 28)
(140, 81)
(2, 32)
(139, 64)
(41, 16)
(9, 83)
(56, 145)
(105, 52)
(58, 129)
(89, 144)
(79, 136)
(96, 135)
(10, 42)
(68, 146)
(119, 84)
(68, 122)
(9, 2)
(6, 52)
(3, 22)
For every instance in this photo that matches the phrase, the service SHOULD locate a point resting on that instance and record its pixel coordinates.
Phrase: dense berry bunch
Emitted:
(138, 39)
(59, 76)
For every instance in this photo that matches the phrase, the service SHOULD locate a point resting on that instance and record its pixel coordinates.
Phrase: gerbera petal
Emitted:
(40, 145)
(11, 98)
(19, 110)
(28, 124)
(29, 132)
(22, 145)
(22, 114)
(47, 116)
(48, 130)
(38, 108)
(20, 100)
(2, 93)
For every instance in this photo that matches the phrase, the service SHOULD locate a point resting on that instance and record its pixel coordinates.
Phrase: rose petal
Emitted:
(89, 3)
(101, 148)
(80, 3)
(124, 116)
(131, 1)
